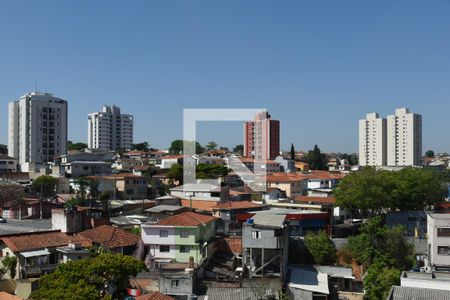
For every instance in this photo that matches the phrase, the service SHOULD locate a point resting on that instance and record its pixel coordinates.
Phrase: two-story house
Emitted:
(179, 237)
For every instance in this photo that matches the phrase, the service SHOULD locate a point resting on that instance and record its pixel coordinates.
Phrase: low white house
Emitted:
(438, 230)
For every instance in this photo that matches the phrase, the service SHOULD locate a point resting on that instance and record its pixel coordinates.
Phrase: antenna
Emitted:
(35, 87)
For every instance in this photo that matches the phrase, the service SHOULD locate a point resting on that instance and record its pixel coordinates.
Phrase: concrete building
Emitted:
(253, 133)
(109, 129)
(8, 164)
(404, 138)
(438, 231)
(372, 141)
(37, 128)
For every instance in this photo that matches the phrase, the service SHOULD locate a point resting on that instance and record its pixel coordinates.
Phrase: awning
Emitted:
(35, 253)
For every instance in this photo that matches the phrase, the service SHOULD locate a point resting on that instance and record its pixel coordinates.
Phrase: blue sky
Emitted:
(317, 66)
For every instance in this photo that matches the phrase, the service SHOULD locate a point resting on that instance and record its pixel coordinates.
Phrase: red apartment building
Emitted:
(272, 134)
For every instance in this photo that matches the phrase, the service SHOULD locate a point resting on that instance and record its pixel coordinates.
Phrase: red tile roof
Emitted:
(28, 242)
(199, 204)
(318, 200)
(154, 296)
(110, 237)
(234, 243)
(237, 205)
(187, 219)
(174, 156)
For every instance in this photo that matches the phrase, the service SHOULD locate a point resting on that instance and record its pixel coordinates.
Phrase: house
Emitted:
(28, 208)
(403, 293)
(78, 218)
(200, 196)
(438, 229)
(179, 237)
(293, 184)
(160, 212)
(154, 296)
(8, 164)
(434, 280)
(111, 238)
(267, 166)
(36, 252)
(227, 212)
(286, 165)
(80, 164)
(167, 162)
(302, 166)
(274, 195)
(123, 186)
(415, 222)
(265, 245)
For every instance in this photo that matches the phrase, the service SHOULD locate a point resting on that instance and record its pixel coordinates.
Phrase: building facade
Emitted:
(404, 138)
(109, 129)
(372, 141)
(395, 141)
(438, 231)
(37, 128)
(262, 135)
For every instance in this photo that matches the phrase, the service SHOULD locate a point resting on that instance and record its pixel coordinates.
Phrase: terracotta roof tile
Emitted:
(199, 204)
(28, 242)
(237, 205)
(319, 200)
(110, 237)
(154, 296)
(235, 244)
(187, 219)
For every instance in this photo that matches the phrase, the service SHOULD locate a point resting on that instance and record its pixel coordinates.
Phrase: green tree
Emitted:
(239, 149)
(373, 191)
(90, 278)
(144, 146)
(211, 171)
(211, 146)
(175, 173)
(292, 151)
(76, 146)
(3, 149)
(10, 265)
(378, 242)
(379, 280)
(177, 147)
(321, 248)
(429, 154)
(316, 159)
(45, 185)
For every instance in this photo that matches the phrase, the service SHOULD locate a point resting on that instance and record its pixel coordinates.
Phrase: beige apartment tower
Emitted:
(372, 141)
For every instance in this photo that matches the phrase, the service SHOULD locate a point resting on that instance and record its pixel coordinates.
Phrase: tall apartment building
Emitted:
(37, 128)
(260, 129)
(395, 141)
(372, 141)
(109, 129)
(404, 138)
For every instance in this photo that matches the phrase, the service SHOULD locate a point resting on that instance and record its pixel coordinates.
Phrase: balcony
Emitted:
(37, 271)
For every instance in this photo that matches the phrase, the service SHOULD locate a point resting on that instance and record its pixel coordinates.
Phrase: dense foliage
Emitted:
(144, 146)
(3, 149)
(316, 159)
(384, 251)
(177, 147)
(203, 171)
(98, 277)
(76, 146)
(239, 149)
(372, 190)
(321, 248)
(211, 146)
(45, 185)
(9, 265)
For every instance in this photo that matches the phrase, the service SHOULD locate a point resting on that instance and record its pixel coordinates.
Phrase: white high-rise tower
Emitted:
(404, 138)
(37, 128)
(109, 129)
(372, 141)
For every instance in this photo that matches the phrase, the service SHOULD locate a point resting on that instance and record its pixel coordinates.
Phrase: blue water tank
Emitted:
(250, 221)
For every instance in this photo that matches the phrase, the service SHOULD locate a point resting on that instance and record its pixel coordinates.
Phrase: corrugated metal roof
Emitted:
(410, 293)
(236, 293)
(163, 207)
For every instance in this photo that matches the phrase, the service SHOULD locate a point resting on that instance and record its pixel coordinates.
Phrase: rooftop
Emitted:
(27, 242)
(12, 227)
(195, 187)
(237, 205)
(163, 208)
(187, 219)
(110, 237)
(408, 293)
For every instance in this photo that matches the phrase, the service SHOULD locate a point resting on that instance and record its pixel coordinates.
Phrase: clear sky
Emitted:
(317, 66)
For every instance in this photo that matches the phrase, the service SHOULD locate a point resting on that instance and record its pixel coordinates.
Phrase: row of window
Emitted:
(165, 233)
(183, 248)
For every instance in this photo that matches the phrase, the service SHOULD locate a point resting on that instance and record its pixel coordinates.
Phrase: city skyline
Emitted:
(308, 64)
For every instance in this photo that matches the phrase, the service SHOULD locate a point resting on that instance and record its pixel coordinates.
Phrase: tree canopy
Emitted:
(375, 191)
(76, 146)
(177, 147)
(429, 154)
(321, 248)
(292, 151)
(203, 171)
(379, 280)
(211, 146)
(93, 278)
(316, 159)
(45, 185)
(239, 149)
(144, 146)
(3, 149)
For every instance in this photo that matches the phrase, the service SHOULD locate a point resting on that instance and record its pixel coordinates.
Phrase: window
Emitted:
(184, 233)
(163, 233)
(256, 234)
(184, 249)
(164, 248)
(443, 232)
(443, 250)
(175, 283)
